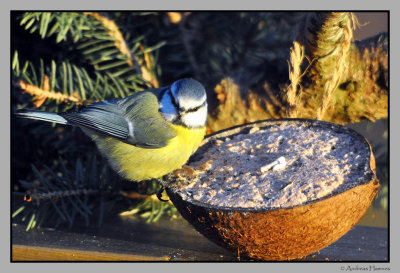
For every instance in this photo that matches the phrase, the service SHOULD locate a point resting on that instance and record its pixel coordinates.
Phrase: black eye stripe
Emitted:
(180, 109)
(194, 109)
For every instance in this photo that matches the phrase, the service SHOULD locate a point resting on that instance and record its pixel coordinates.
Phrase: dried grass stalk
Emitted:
(296, 59)
(328, 38)
(338, 30)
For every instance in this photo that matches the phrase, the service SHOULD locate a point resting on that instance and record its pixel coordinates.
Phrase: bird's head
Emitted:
(185, 103)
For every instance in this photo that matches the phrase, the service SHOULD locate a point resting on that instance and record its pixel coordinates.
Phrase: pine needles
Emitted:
(118, 69)
(65, 83)
(61, 195)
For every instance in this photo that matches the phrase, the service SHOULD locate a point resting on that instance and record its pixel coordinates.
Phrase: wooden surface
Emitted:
(133, 240)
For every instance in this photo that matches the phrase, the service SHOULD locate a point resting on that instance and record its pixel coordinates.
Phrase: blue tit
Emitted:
(145, 135)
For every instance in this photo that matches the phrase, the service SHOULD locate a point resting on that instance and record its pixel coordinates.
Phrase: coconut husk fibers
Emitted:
(281, 234)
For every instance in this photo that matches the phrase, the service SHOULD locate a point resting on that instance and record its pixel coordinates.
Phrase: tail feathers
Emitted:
(41, 115)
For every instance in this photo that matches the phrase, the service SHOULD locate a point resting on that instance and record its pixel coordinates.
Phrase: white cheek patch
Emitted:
(195, 119)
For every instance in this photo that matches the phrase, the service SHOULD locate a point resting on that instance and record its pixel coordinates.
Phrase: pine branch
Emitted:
(100, 40)
(61, 24)
(41, 94)
(59, 196)
(143, 66)
(113, 31)
(76, 85)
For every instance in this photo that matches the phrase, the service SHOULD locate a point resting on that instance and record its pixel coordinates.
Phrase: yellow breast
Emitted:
(135, 163)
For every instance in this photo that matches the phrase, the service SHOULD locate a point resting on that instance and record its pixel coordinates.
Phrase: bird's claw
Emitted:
(159, 194)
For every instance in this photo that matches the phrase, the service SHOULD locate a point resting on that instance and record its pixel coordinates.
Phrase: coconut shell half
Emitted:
(278, 234)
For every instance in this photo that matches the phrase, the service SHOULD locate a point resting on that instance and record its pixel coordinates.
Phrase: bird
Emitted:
(145, 135)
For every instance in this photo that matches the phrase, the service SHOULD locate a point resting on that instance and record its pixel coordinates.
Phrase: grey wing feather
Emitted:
(134, 120)
(100, 121)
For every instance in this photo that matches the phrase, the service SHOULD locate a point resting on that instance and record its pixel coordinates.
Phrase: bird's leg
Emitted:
(161, 190)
